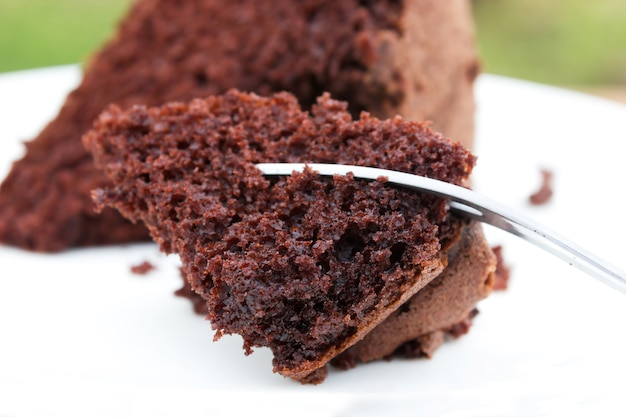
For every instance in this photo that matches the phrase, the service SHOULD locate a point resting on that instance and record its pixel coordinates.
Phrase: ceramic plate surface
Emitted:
(80, 335)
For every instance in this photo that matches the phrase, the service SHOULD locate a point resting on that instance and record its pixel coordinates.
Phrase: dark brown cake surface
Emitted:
(445, 306)
(411, 57)
(304, 265)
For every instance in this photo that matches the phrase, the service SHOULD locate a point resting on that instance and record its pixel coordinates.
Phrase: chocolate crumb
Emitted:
(503, 272)
(142, 269)
(544, 194)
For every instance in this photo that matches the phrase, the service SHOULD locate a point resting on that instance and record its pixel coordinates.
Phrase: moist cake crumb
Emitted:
(544, 194)
(142, 268)
(304, 265)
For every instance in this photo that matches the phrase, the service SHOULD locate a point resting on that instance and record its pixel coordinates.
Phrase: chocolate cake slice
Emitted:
(304, 265)
(415, 58)
(445, 307)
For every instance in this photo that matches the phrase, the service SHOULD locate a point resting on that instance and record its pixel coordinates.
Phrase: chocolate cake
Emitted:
(413, 57)
(304, 265)
(446, 306)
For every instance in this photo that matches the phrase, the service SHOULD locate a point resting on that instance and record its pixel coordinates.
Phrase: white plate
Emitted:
(80, 335)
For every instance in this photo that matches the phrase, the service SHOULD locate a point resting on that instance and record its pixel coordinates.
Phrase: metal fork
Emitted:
(475, 206)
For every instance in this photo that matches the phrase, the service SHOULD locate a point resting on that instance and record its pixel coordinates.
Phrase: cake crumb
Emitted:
(503, 272)
(142, 269)
(544, 194)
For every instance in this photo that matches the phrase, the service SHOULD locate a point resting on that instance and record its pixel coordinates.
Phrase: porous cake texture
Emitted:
(304, 265)
(415, 58)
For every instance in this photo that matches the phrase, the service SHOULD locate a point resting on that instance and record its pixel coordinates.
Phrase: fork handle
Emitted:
(506, 219)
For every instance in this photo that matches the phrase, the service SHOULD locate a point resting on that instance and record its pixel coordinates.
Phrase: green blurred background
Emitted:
(573, 43)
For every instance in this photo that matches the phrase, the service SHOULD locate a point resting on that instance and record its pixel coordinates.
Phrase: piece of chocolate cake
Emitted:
(415, 58)
(304, 265)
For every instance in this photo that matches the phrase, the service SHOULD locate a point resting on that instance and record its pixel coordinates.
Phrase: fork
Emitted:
(475, 206)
